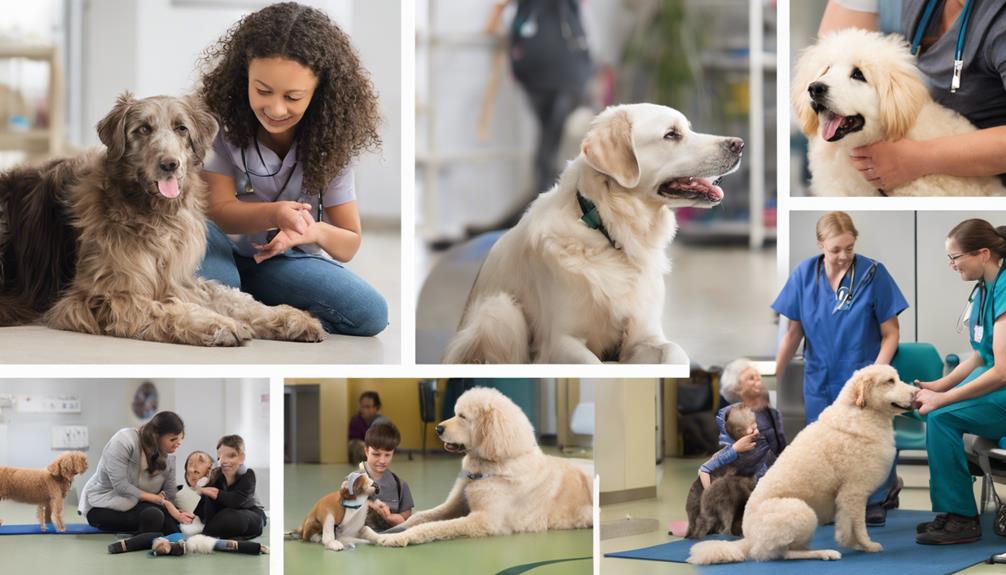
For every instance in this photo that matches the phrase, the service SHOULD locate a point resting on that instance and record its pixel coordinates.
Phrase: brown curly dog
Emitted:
(43, 487)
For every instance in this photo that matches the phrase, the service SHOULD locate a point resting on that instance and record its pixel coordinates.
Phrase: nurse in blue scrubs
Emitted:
(971, 398)
(845, 307)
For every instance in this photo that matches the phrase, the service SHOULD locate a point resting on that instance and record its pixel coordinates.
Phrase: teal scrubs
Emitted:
(838, 340)
(950, 486)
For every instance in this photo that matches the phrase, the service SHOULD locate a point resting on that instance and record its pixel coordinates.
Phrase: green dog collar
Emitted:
(592, 217)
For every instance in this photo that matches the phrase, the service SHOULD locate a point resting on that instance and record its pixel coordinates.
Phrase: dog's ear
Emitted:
(344, 491)
(609, 149)
(859, 384)
(112, 128)
(493, 437)
(808, 69)
(204, 127)
(901, 93)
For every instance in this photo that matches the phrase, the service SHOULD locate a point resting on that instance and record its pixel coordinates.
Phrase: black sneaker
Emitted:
(118, 547)
(893, 500)
(955, 529)
(937, 523)
(876, 515)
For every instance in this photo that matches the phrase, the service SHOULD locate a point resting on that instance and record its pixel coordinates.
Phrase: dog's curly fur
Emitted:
(92, 244)
(46, 488)
(507, 484)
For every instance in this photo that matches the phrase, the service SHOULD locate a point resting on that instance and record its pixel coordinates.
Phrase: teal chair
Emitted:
(914, 361)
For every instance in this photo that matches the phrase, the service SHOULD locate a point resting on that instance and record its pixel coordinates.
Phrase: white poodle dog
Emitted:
(825, 475)
(506, 485)
(855, 88)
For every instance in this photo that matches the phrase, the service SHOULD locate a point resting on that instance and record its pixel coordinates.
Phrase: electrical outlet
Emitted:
(70, 437)
(48, 404)
(6, 400)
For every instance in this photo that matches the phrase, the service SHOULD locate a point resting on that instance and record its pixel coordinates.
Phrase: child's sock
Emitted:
(139, 542)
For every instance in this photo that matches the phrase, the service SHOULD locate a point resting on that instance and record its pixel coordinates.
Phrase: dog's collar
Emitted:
(592, 218)
(352, 505)
(470, 476)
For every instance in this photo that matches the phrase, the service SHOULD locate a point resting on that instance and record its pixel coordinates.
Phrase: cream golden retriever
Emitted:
(580, 278)
(825, 475)
(855, 88)
(506, 484)
(108, 242)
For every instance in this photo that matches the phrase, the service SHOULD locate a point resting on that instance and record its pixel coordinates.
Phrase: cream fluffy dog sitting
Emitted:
(855, 88)
(506, 485)
(46, 488)
(580, 278)
(825, 475)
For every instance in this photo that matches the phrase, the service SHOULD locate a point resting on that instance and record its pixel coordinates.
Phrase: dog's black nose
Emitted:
(817, 89)
(439, 429)
(735, 145)
(377, 489)
(169, 165)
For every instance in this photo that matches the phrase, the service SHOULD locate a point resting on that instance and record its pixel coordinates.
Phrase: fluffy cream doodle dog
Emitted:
(580, 278)
(506, 485)
(855, 88)
(825, 475)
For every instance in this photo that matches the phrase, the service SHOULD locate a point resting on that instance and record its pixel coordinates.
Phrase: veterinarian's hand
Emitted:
(889, 165)
(289, 216)
(929, 400)
(746, 443)
(185, 518)
(286, 239)
(211, 492)
(930, 385)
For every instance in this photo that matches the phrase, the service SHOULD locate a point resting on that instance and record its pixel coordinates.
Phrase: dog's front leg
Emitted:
(566, 349)
(478, 524)
(42, 513)
(55, 509)
(454, 506)
(328, 535)
(850, 522)
(280, 322)
(654, 349)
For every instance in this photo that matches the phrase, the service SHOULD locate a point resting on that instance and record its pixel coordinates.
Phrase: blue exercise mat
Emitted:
(901, 553)
(33, 529)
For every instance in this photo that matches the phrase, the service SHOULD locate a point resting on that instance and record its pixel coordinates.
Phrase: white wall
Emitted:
(210, 408)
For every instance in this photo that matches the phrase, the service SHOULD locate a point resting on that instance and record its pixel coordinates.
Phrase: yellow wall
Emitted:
(625, 435)
(400, 404)
(335, 414)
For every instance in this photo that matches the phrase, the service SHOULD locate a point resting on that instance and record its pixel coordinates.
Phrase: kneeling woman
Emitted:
(133, 488)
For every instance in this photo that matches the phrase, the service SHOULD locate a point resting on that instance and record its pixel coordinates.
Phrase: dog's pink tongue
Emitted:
(168, 187)
(831, 126)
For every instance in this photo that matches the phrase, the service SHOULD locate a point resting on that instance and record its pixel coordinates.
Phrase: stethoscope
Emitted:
(983, 290)
(846, 295)
(920, 30)
(248, 189)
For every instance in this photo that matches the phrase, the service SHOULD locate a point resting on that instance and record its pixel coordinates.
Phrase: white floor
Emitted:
(717, 305)
(378, 262)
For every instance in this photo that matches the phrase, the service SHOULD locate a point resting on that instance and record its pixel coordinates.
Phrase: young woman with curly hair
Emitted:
(295, 106)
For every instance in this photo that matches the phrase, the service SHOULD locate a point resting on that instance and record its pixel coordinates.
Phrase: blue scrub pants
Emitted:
(343, 302)
(950, 483)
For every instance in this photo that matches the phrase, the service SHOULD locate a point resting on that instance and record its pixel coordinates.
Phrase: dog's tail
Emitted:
(37, 242)
(495, 332)
(710, 552)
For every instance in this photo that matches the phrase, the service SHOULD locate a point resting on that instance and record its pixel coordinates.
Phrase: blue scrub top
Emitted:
(837, 344)
(994, 306)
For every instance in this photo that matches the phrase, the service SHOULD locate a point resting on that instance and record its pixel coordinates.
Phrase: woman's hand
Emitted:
(929, 400)
(211, 492)
(381, 508)
(889, 165)
(746, 443)
(289, 216)
(288, 238)
(930, 385)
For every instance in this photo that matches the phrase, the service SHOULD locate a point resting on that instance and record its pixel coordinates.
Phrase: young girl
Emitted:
(229, 508)
(295, 107)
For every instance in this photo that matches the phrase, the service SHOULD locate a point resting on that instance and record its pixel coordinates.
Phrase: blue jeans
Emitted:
(343, 302)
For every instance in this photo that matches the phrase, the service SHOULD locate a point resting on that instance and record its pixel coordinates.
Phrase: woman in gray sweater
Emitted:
(133, 488)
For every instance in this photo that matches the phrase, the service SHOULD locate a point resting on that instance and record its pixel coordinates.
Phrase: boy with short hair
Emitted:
(393, 504)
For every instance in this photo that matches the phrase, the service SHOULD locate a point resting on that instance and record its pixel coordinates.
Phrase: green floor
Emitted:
(675, 477)
(430, 480)
(88, 554)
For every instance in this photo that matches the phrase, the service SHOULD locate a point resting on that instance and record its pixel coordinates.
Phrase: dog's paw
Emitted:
(871, 547)
(396, 540)
(226, 332)
(302, 326)
(830, 555)
(335, 545)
